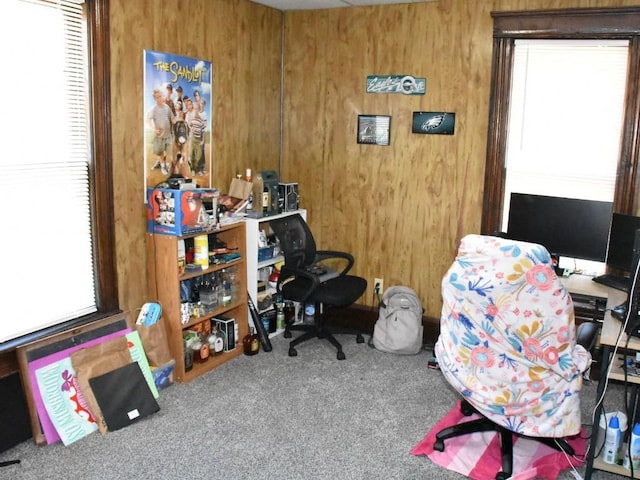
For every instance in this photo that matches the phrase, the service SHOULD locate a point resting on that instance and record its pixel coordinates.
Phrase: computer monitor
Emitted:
(566, 227)
(621, 237)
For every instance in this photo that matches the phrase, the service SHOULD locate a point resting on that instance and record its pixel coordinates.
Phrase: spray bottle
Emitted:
(612, 441)
(634, 448)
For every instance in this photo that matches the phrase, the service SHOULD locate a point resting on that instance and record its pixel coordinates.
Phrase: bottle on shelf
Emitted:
(208, 296)
(289, 313)
(201, 251)
(612, 441)
(248, 178)
(188, 357)
(309, 313)
(250, 343)
(200, 350)
(226, 288)
(279, 311)
(215, 340)
(633, 450)
(182, 255)
(266, 198)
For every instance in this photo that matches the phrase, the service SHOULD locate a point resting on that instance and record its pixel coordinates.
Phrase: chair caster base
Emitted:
(359, 339)
(293, 352)
(466, 409)
(502, 476)
(438, 445)
(341, 355)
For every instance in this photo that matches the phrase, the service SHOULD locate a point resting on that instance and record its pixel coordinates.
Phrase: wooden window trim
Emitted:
(102, 165)
(600, 23)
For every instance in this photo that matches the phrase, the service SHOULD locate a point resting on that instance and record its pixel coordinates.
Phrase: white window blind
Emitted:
(565, 118)
(46, 257)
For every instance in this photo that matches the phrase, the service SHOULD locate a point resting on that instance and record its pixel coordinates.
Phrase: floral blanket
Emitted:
(507, 337)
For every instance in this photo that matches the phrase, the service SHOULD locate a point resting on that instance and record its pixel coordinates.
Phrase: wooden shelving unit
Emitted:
(164, 282)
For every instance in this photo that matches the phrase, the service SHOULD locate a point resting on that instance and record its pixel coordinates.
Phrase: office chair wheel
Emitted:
(287, 334)
(438, 445)
(502, 476)
(359, 338)
(466, 409)
(293, 352)
(341, 355)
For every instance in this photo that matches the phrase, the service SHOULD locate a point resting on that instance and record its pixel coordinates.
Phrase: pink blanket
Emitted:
(478, 455)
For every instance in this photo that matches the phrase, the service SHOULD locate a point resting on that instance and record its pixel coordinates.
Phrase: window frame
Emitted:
(591, 23)
(100, 178)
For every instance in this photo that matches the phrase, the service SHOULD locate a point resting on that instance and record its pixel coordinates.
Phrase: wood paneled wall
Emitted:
(243, 42)
(400, 209)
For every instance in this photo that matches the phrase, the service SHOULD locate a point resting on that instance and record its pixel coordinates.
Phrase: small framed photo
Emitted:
(374, 129)
(442, 123)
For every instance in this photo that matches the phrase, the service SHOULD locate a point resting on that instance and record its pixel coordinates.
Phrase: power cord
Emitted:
(623, 328)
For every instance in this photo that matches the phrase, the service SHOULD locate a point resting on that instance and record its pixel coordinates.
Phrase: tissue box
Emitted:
(181, 212)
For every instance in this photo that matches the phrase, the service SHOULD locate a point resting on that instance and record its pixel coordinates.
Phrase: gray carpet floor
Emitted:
(271, 416)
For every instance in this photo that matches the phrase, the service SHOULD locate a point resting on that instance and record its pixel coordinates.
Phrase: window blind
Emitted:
(565, 118)
(47, 253)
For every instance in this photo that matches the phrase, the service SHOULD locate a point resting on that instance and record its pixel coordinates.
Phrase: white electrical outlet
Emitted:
(379, 284)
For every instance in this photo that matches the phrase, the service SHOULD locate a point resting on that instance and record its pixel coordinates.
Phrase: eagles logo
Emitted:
(433, 123)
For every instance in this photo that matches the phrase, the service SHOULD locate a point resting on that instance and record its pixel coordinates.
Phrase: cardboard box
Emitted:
(181, 212)
(226, 326)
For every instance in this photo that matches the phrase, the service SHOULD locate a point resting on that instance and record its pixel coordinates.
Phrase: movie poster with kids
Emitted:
(177, 118)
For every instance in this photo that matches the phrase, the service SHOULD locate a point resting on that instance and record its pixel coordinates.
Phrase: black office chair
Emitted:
(306, 277)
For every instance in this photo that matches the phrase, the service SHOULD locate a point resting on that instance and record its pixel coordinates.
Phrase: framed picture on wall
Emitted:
(374, 129)
(435, 123)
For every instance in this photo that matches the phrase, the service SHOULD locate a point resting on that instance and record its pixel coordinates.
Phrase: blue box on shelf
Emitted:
(181, 212)
(265, 253)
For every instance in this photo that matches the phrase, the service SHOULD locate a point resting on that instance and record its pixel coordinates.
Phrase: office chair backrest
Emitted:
(296, 240)
(507, 337)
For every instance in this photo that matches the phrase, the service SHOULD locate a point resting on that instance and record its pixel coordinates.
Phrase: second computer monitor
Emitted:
(621, 238)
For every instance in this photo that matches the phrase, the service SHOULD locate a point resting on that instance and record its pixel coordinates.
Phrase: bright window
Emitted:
(565, 118)
(565, 122)
(47, 253)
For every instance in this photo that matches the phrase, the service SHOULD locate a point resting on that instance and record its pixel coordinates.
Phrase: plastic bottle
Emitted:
(612, 441)
(247, 177)
(309, 313)
(635, 450)
(201, 254)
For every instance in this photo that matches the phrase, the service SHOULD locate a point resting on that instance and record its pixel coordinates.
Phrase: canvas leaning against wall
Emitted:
(177, 118)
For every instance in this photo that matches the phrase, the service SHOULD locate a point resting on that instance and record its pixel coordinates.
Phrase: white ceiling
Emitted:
(319, 4)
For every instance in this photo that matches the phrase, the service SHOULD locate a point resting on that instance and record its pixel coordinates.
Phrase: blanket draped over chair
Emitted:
(507, 337)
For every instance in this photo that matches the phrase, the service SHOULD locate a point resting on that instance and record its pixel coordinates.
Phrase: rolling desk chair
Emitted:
(304, 279)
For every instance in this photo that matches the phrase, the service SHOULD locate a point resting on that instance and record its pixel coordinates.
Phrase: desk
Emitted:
(589, 298)
(608, 337)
